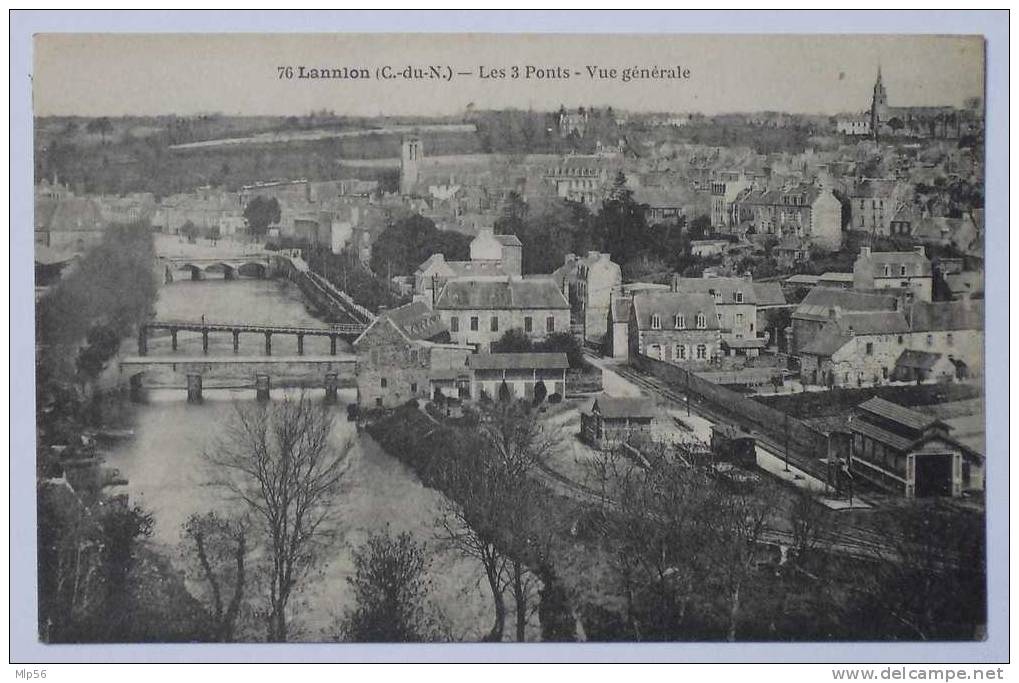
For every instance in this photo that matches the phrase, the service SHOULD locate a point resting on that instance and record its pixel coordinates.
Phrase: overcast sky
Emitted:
(118, 74)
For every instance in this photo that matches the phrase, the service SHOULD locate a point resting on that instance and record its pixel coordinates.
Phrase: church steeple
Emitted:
(878, 105)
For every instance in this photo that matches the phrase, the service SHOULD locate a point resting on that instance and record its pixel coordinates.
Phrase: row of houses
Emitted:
(885, 327)
(694, 321)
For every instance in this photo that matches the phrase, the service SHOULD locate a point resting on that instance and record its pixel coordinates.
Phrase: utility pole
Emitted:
(787, 442)
(687, 392)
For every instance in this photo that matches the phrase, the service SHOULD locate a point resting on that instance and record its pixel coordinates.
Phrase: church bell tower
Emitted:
(878, 105)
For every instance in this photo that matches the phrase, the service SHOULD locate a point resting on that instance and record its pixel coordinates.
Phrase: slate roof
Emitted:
(509, 240)
(947, 315)
(875, 189)
(416, 320)
(725, 286)
(917, 264)
(518, 361)
(69, 214)
(769, 294)
(899, 414)
(509, 294)
(620, 310)
(819, 301)
(669, 304)
(808, 192)
(616, 407)
(836, 333)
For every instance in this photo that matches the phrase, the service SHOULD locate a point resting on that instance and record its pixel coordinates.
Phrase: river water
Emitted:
(167, 474)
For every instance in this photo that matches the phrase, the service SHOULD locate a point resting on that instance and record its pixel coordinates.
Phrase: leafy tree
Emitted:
(622, 222)
(102, 344)
(87, 553)
(260, 213)
(513, 340)
(278, 460)
(700, 226)
(189, 230)
(391, 588)
(564, 342)
(102, 126)
(408, 242)
(928, 582)
(540, 392)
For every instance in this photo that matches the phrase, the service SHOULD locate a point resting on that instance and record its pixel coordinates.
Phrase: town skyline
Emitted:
(236, 75)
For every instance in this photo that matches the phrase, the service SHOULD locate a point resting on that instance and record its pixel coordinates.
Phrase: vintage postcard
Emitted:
(434, 338)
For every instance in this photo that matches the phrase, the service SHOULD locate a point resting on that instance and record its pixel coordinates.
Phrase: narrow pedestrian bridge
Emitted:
(345, 331)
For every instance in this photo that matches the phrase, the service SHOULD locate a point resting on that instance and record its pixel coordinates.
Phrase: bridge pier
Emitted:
(332, 386)
(268, 343)
(173, 339)
(262, 384)
(300, 344)
(143, 341)
(237, 340)
(332, 345)
(205, 341)
(196, 274)
(194, 388)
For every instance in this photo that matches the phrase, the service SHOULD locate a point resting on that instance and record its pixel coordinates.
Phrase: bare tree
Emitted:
(495, 517)
(278, 460)
(657, 523)
(811, 526)
(217, 549)
(739, 528)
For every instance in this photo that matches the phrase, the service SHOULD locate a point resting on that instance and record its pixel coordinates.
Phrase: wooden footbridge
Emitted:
(346, 331)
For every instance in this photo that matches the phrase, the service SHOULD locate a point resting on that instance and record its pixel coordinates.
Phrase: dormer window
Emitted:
(738, 296)
(656, 322)
(702, 321)
(680, 322)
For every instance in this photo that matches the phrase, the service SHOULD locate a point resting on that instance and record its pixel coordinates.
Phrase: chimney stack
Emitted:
(865, 252)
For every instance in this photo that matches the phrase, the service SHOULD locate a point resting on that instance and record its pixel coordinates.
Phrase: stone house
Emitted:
(492, 256)
(588, 283)
(903, 270)
(866, 347)
(735, 307)
(805, 211)
(399, 353)
(823, 303)
(675, 327)
(478, 311)
(874, 204)
(853, 349)
(613, 420)
(68, 222)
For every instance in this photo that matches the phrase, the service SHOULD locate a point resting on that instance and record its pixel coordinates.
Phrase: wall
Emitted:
(508, 319)
(809, 444)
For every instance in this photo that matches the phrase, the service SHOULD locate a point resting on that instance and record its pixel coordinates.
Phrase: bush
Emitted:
(555, 398)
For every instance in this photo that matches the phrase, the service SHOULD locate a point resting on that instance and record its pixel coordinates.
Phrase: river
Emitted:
(167, 475)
